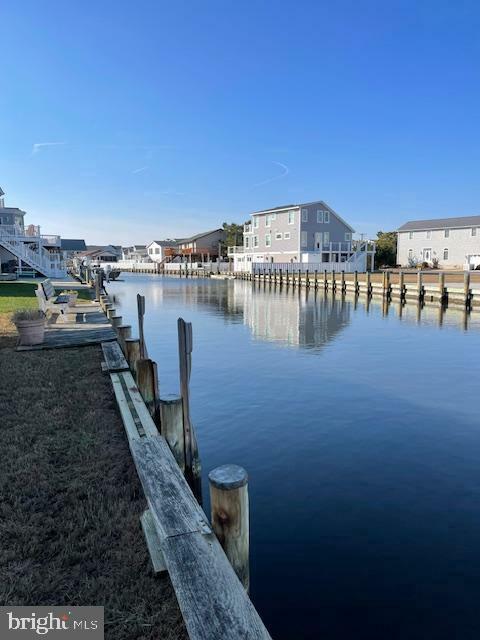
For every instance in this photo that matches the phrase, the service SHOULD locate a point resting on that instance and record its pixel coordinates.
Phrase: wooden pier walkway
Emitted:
(85, 324)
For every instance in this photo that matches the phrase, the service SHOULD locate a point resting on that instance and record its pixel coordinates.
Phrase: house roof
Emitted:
(440, 223)
(73, 245)
(198, 235)
(164, 243)
(12, 210)
(305, 204)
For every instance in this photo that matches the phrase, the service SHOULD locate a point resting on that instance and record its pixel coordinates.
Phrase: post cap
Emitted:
(170, 398)
(228, 477)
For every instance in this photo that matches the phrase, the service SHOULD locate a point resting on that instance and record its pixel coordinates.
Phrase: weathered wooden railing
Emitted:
(207, 564)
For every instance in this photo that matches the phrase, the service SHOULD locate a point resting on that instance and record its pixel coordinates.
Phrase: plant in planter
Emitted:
(30, 326)
(72, 297)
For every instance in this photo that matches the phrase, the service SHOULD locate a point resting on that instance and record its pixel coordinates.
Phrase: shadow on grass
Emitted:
(71, 499)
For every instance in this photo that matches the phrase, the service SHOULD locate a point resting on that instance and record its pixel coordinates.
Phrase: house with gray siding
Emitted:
(450, 243)
(309, 233)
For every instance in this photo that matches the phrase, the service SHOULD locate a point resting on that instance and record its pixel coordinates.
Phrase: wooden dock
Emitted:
(84, 324)
(446, 288)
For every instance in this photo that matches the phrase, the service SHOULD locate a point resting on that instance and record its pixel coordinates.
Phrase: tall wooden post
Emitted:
(441, 286)
(342, 281)
(325, 280)
(466, 288)
(419, 285)
(307, 280)
(230, 516)
(141, 314)
(185, 348)
(401, 285)
(355, 281)
(368, 284)
(147, 383)
(315, 281)
(334, 283)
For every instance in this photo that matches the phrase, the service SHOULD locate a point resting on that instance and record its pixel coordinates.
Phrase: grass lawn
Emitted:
(70, 499)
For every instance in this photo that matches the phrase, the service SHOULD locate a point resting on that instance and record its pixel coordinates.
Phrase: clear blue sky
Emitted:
(171, 117)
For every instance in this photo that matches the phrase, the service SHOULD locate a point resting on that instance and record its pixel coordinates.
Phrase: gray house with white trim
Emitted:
(453, 242)
(309, 233)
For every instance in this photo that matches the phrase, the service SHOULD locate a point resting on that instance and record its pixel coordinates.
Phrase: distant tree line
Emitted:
(386, 252)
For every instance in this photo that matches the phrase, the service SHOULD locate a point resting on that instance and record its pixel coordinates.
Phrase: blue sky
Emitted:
(171, 117)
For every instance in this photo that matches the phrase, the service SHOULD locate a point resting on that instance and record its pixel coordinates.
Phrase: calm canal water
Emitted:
(361, 435)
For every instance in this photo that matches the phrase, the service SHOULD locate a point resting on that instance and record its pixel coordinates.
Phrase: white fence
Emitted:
(208, 267)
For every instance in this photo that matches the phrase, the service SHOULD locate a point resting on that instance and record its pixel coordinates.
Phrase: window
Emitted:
(447, 233)
(286, 235)
(304, 215)
(278, 236)
(326, 217)
(273, 216)
(255, 241)
(255, 223)
(474, 231)
(157, 250)
(268, 240)
(319, 215)
(303, 240)
(291, 217)
(267, 221)
(445, 254)
(247, 242)
(429, 235)
(149, 251)
(326, 237)
(410, 235)
(348, 237)
(410, 254)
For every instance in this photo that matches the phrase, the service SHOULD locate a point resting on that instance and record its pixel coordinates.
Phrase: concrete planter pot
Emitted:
(72, 299)
(31, 331)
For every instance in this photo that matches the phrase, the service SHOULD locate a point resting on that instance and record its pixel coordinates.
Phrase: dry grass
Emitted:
(71, 499)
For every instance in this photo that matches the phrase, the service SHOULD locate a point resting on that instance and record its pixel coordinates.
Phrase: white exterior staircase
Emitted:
(16, 242)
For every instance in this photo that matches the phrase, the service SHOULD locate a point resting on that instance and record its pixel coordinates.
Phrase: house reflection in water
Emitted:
(294, 318)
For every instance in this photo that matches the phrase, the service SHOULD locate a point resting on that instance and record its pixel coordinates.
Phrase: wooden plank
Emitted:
(153, 542)
(139, 405)
(214, 604)
(114, 357)
(173, 505)
(122, 401)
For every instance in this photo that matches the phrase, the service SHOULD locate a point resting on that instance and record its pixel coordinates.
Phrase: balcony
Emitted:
(235, 250)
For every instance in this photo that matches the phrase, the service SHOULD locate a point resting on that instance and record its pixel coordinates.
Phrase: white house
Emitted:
(137, 253)
(158, 249)
(449, 243)
(25, 248)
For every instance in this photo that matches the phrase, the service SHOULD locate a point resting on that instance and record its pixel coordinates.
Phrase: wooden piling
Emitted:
(368, 283)
(420, 285)
(342, 281)
(171, 419)
(230, 516)
(325, 280)
(441, 286)
(116, 321)
(355, 281)
(192, 459)
(132, 353)
(111, 311)
(401, 285)
(147, 383)
(466, 288)
(141, 314)
(124, 331)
